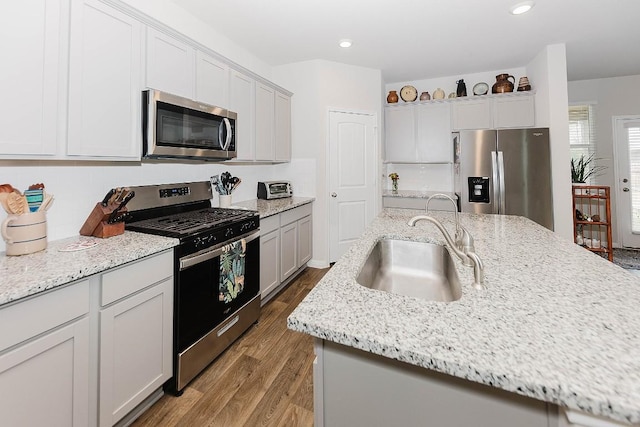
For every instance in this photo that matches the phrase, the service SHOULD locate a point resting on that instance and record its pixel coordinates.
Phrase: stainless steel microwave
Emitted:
(179, 128)
(274, 190)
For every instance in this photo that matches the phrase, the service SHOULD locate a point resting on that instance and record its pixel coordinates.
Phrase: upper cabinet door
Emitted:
(30, 44)
(471, 114)
(104, 82)
(212, 80)
(283, 127)
(434, 133)
(170, 64)
(265, 115)
(241, 101)
(514, 112)
(400, 134)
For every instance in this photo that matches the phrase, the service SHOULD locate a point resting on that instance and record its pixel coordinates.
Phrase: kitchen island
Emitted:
(556, 324)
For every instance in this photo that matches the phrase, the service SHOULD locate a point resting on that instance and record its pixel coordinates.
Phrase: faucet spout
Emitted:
(462, 248)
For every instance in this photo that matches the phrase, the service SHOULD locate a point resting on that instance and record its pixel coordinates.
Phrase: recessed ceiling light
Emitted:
(345, 43)
(521, 8)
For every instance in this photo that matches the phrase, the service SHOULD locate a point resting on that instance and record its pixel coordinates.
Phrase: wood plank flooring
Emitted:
(263, 379)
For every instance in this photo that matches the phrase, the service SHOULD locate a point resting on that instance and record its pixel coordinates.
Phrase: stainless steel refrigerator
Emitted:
(504, 172)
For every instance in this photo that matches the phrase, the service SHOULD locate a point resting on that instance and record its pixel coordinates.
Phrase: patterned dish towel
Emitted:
(232, 262)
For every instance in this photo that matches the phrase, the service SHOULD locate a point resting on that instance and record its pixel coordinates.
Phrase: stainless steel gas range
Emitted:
(216, 267)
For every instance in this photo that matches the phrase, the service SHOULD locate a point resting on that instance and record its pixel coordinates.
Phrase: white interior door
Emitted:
(627, 140)
(352, 178)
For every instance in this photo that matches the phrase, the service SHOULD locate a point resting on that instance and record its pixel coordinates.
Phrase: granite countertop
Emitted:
(556, 322)
(268, 208)
(26, 275)
(415, 194)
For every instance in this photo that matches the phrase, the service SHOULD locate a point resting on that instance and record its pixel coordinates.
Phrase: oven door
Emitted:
(214, 284)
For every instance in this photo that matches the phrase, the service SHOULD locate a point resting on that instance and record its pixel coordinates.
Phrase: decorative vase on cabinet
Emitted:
(392, 98)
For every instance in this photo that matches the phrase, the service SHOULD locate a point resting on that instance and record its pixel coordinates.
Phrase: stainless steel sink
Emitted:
(416, 269)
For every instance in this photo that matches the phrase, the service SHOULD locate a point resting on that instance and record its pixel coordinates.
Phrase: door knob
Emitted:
(334, 195)
(625, 189)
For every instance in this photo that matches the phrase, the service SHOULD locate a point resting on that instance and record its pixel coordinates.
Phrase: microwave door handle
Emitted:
(227, 126)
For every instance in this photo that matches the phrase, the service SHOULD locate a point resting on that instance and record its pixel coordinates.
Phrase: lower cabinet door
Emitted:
(135, 350)
(269, 262)
(304, 240)
(46, 381)
(289, 250)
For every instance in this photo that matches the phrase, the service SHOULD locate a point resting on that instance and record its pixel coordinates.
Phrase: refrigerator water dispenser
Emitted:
(478, 189)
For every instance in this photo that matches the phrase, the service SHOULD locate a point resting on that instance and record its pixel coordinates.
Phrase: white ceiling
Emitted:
(420, 39)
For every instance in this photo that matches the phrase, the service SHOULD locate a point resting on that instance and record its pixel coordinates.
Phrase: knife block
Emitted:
(96, 223)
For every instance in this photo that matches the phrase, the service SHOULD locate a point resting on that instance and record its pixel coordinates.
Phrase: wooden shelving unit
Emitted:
(592, 218)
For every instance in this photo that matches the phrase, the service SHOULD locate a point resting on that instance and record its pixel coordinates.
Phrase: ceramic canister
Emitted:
(26, 233)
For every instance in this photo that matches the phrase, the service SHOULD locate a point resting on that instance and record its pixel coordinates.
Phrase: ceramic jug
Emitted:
(503, 84)
(392, 98)
(438, 94)
(461, 90)
(424, 96)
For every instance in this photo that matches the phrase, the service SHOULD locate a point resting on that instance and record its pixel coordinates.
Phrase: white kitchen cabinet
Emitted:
(305, 240)
(289, 250)
(241, 101)
(400, 134)
(471, 113)
(269, 254)
(170, 64)
(286, 247)
(503, 111)
(282, 127)
(104, 82)
(44, 359)
(212, 80)
(433, 142)
(264, 122)
(31, 44)
(514, 112)
(136, 333)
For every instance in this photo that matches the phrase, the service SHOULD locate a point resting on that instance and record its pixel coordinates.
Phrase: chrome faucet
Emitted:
(463, 245)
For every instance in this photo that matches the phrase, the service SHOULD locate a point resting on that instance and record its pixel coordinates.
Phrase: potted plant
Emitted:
(394, 181)
(583, 168)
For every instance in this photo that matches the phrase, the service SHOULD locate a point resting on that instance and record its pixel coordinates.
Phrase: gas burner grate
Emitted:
(190, 222)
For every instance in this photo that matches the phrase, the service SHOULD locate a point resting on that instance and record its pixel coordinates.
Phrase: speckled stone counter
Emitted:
(22, 276)
(556, 322)
(414, 194)
(268, 208)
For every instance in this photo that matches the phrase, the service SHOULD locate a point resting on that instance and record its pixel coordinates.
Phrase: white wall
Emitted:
(319, 86)
(78, 186)
(619, 96)
(548, 72)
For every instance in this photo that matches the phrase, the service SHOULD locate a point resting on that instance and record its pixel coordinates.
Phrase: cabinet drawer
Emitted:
(287, 217)
(26, 319)
(269, 224)
(119, 283)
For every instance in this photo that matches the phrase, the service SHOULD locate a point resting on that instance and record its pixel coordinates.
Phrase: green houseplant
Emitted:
(583, 168)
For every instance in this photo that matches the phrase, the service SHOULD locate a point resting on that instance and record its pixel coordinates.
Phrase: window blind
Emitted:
(582, 134)
(633, 139)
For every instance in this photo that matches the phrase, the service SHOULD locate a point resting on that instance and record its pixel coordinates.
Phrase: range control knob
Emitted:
(229, 232)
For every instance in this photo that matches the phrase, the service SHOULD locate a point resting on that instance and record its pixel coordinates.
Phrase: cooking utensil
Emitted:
(17, 203)
(107, 197)
(128, 196)
(46, 203)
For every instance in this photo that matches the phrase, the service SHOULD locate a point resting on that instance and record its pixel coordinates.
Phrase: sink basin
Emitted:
(416, 269)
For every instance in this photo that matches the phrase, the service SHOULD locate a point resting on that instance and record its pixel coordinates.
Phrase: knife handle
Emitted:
(107, 197)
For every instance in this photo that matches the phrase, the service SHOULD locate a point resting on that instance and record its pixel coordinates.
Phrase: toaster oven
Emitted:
(274, 190)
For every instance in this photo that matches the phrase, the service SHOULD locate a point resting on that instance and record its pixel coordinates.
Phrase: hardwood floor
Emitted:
(263, 379)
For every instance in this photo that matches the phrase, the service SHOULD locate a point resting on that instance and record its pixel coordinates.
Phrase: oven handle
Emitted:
(191, 260)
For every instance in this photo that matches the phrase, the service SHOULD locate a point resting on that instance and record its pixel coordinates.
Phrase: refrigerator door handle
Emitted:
(494, 178)
(503, 205)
